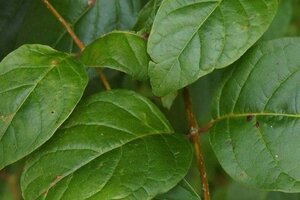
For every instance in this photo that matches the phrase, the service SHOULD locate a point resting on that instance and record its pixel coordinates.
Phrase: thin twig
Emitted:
(64, 24)
(77, 41)
(103, 79)
(194, 136)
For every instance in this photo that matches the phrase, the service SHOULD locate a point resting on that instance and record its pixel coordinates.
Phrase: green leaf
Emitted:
(282, 196)
(235, 191)
(256, 131)
(11, 18)
(115, 145)
(122, 51)
(168, 100)
(182, 191)
(146, 16)
(39, 88)
(88, 22)
(281, 21)
(191, 38)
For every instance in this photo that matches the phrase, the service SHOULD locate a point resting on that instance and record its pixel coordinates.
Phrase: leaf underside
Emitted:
(39, 88)
(256, 135)
(115, 145)
(191, 38)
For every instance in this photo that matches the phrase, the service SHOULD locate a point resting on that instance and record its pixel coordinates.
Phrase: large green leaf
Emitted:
(11, 17)
(182, 191)
(256, 133)
(89, 23)
(191, 38)
(115, 145)
(39, 88)
(122, 51)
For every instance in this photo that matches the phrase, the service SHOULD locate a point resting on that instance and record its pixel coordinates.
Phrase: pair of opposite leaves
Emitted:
(28, 97)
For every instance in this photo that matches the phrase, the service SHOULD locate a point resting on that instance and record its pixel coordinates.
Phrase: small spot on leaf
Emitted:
(249, 118)
(257, 124)
(54, 62)
(91, 2)
(6, 118)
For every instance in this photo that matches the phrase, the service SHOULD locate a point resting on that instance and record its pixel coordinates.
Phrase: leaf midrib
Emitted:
(39, 79)
(237, 115)
(189, 40)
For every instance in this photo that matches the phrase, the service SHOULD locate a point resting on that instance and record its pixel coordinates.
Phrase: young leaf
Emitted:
(89, 21)
(115, 145)
(191, 38)
(39, 88)
(182, 191)
(122, 51)
(256, 131)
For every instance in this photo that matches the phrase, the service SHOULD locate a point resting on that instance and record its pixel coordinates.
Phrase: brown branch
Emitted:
(194, 136)
(77, 41)
(64, 24)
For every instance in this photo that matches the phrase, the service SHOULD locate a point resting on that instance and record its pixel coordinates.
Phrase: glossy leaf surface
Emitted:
(39, 88)
(115, 145)
(88, 22)
(122, 51)
(256, 134)
(191, 38)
